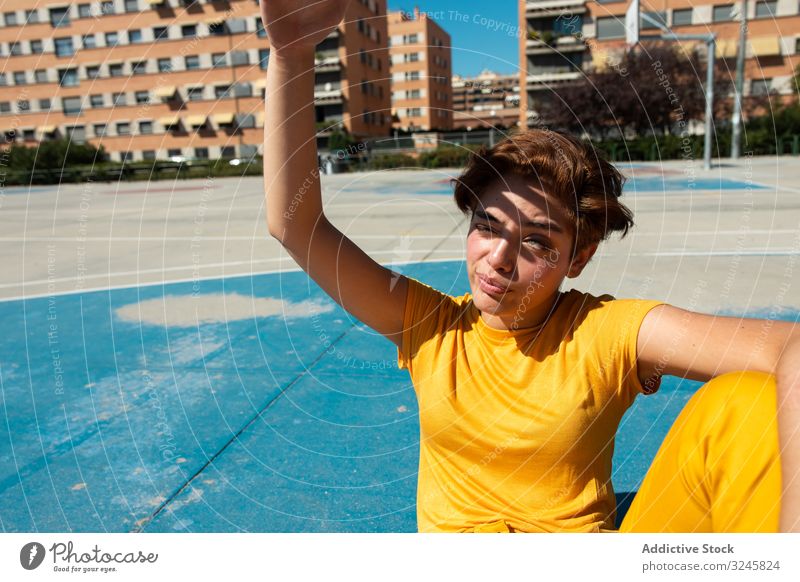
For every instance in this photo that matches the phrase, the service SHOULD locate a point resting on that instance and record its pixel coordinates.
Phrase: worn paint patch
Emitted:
(194, 310)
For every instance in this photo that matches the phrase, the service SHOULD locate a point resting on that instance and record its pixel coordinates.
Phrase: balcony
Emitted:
(550, 43)
(327, 61)
(550, 78)
(328, 94)
(554, 8)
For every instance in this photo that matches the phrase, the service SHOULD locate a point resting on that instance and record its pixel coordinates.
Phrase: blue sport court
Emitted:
(247, 403)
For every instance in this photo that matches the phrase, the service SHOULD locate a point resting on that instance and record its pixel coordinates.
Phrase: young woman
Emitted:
(521, 387)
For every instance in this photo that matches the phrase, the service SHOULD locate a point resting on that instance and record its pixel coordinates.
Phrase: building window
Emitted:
(112, 39)
(76, 133)
(107, 7)
(44, 104)
(115, 70)
(96, 101)
(239, 58)
(118, 99)
(71, 105)
(20, 78)
(145, 127)
(201, 153)
(92, 72)
(5, 107)
(89, 41)
(260, 30)
(222, 91)
(766, 9)
(188, 30)
(660, 17)
(194, 93)
(148, 155)
(134, 36)
(31, 16)
(125, 157)
(760, 86)
(15, 48)
(219, 60)
(227, 152)
(682, 17)
(164, 65)
(216, 29)
(723, 13)
(63, 47)
(174, 152)
(36, 47)
(131, 5)
(123, 128)
(100, 129)
(160, 33)
(23, 105)
(28, 135)
(40, 75)
(263, 58)
(84, 10)
(59, 17)
(142, 97)
(610, 28)
(192, 62)
(139, 68)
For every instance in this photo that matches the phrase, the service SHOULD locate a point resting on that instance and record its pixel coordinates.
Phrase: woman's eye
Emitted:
(482, 228)
(537, 244)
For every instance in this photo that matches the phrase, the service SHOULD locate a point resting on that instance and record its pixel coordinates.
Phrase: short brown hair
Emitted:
(586, 184)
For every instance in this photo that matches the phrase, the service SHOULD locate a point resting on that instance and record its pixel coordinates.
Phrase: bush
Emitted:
(53, 155)
(447, 157)
(339, 140)
(386, 161)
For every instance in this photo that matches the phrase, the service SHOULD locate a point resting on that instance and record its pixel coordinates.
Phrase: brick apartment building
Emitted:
(421, 67)
(485, 101)
(567, 36)
(151, 79)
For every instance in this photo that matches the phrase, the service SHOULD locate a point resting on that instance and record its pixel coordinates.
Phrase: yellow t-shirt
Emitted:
(519, 425)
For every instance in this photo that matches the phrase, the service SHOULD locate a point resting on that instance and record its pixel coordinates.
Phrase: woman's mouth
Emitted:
(491, 286)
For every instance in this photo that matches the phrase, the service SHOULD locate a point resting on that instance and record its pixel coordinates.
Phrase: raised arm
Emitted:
(370, 292)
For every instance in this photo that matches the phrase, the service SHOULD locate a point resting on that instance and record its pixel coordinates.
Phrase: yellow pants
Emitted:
(718, 469)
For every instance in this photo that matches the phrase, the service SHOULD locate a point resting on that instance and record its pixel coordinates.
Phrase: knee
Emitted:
(747, 392)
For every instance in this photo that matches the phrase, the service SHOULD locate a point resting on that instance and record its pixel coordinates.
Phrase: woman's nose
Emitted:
(501, 256)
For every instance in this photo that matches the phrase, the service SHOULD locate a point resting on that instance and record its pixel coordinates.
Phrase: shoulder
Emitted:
(420, 293)
(605, 313)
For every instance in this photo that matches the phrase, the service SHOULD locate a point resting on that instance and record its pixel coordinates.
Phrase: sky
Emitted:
(485, 35)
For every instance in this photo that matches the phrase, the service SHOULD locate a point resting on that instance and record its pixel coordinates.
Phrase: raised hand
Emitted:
(298, 25)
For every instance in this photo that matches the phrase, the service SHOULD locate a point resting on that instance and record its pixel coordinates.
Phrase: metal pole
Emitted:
(235, 92)
(709, 102)
(736, 121)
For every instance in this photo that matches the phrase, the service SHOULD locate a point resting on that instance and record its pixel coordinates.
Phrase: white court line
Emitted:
(460, 257)
(367, 236)
(209, 238)
(735, 253)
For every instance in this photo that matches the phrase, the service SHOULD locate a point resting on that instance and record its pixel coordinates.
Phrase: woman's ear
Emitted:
(580, 260)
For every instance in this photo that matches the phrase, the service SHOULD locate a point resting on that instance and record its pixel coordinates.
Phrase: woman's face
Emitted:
(519, 249)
